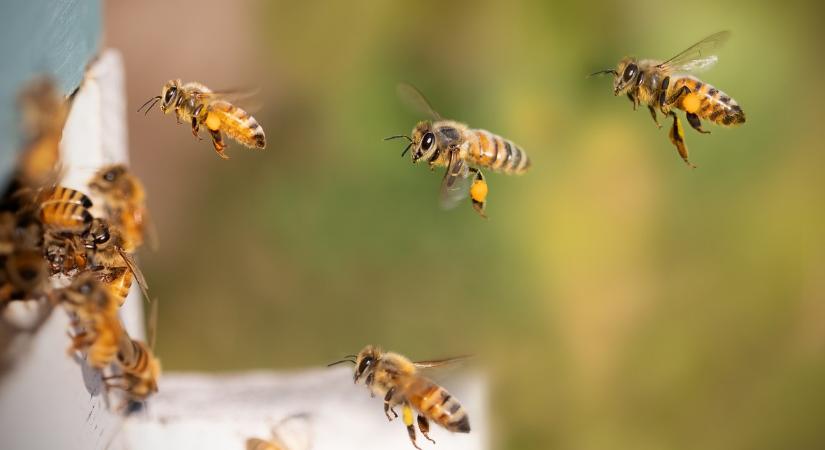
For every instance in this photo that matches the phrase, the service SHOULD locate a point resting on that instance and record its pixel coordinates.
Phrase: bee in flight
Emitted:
(667, 85)
(291, 433)
(463, 150)
(196, 104)
(398, 381)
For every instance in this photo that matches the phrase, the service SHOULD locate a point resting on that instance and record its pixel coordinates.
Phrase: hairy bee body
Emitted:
(707, 102)
(140, 369)
(98, 328)
(196, 104)
(398, 381)
(124, 200)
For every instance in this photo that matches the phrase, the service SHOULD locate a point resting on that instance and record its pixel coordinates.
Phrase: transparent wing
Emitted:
(415, 100)
(429, 364)
(699, 55)
(144, 287)
(455, 186)
(294, 432)
(230, 95)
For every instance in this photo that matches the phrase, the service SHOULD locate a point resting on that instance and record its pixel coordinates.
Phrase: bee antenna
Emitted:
(602, 72)
(155, 99)
(398, 137)
(406, 149)
(341, 361)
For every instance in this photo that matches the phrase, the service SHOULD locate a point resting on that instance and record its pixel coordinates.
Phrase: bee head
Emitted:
(108, 177)
(169, 95)
(625, 75)
(424, 143)
(365, 362)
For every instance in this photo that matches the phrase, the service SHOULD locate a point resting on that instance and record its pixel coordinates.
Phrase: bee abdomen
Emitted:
(499, 154)
(444, 409)
(710, 103)
(65, 216)
(240, 125)
(64, 194)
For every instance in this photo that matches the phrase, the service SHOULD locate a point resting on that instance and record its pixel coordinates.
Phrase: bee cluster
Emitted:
(59, 249)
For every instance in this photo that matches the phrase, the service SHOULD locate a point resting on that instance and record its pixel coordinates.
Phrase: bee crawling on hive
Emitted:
(666, 85)
(399, 381)
(196, 104)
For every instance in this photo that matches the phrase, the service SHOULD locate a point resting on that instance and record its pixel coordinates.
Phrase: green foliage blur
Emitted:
(616, 298)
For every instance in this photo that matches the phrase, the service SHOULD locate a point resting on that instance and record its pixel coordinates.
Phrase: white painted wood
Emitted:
(49, 400)
(205, 412)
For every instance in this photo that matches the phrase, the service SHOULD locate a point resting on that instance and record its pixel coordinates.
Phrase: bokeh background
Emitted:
(616, 298)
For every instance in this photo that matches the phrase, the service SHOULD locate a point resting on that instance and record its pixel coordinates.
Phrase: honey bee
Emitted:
(124, 202)
(139, 368)
(292, 433)
(398, 380)
(43, 110)
(667, 85)
(65, 210)
(23, 271)
(98, 328)
(113, 265)
(196, 104)
(463, 150)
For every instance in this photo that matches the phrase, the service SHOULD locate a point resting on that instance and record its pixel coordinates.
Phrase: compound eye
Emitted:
(109, 176)
(365, 363)
(630, 72)
(427, 141)
(170, 94)
(102, 237)
(85, 288)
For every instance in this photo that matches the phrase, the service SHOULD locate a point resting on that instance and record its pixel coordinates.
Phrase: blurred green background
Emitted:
(616, 298)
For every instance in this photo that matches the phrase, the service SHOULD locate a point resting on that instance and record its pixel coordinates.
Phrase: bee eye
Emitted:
(170, 94)
(102, 237)
(427, 141)
(630, 72)
(85, 288)
(365, 363)
(109, 176)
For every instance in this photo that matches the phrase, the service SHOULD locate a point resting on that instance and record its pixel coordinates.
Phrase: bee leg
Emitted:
(195, 128)
(653, 114)
(424, 427)
(387, 406)
(694, 122)
(478, 193)
(407, 412)
(632, 100)
(677, 137)
(217, 141)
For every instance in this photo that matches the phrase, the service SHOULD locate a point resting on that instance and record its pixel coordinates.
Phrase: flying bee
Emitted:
(196, 104)
(667, 85)
(463, 150)
(113, 265)
(124, 200)
(398, 381)
(98, 328)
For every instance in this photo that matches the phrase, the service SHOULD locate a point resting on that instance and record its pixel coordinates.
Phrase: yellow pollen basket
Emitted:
(478, 191)
(212, 121)
(690, 103)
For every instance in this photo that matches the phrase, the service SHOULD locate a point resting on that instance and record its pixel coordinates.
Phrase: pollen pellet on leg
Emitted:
(478, 191)
(690, 102)
(212, 121)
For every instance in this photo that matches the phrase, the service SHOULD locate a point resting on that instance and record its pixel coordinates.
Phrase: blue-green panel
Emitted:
(55, 37)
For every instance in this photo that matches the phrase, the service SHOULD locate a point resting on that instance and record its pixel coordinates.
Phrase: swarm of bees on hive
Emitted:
(54, 252)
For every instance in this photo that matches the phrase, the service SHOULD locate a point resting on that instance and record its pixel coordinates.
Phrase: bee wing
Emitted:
(441, 362)
(144, 287)
(293, 432)
(699, 55)
(455, 186)
(416, 101)
(230, 95)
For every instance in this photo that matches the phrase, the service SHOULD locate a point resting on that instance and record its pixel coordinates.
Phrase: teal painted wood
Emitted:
(53, 37)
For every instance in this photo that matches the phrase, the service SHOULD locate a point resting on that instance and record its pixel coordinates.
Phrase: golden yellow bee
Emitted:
(113, 265)
(139, 369)
(398, 381)
(463, 150)
(196, 104)
(98, 330)
(124, 200)
(667, 85)
(292, 433)
(43, 110)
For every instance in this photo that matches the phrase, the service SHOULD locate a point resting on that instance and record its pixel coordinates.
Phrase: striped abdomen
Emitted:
(496, 153)
(434, 402)
(709, 103)
(117, 282)
(139, 360)
(237, 124)
(65, 216)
